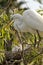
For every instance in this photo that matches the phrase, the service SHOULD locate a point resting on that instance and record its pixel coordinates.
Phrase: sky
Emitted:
(32, 4)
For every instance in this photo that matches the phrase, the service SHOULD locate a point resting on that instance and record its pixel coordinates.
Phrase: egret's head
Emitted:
(16, 16)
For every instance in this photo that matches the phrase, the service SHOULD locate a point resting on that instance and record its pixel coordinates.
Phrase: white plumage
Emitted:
(29, 21)
(19, 23)
(33, 19)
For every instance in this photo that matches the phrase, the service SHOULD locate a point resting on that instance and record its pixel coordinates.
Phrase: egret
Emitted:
(29, 21)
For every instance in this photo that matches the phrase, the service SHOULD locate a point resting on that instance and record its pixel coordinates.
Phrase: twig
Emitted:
(9, 2)
(8, 24)
(17, 61)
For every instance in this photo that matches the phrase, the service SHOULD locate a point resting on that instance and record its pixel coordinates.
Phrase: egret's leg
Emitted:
(35, 41)
(39, 38)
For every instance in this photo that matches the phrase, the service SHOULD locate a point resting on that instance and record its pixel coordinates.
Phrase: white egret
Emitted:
(29, 21)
